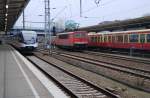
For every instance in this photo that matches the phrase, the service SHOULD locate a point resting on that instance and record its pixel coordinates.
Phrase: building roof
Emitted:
(120, 32)
(10, 10)
(125, 24)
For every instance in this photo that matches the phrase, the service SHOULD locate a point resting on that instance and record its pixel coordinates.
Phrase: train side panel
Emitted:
(138, 39)
(76, 39)
(26, 40)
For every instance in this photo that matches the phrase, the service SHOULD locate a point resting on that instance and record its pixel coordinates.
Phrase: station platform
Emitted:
(17, 80)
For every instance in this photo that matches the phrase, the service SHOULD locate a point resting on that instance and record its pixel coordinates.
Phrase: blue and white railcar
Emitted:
(27, 40)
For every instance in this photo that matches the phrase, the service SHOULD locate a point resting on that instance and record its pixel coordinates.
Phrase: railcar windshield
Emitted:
(29, 37)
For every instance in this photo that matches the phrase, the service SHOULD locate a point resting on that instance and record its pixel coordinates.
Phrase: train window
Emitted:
(109, 38)
(148, 37)
(63, 36)
(105, 38)
(97, 39)
(79, 35)
(134, 38)
(142, 38)
(92, 38)
(113, 39)
(100, 38)
(119, 38)
(125, 38)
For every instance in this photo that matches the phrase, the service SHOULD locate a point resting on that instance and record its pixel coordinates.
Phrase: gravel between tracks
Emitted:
(123, 90)
(131, 64)
(129, 78)
(79, 88)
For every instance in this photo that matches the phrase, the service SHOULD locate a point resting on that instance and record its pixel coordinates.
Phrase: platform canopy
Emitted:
(10, 10)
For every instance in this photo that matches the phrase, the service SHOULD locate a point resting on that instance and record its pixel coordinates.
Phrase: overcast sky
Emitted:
(106, 10)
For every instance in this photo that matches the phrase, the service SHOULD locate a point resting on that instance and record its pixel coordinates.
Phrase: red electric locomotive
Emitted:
(72, 40)
(134, 39)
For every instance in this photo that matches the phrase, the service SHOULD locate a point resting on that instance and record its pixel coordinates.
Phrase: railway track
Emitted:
(139, 77)
(137, 64)
(138, 71)
(121, 57)
(76, 86)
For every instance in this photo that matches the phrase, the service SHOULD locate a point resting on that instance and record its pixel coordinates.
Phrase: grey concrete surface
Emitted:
(12, 81)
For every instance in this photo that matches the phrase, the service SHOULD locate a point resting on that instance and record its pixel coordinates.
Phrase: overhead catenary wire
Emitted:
(51, 19)
(59, 13)
(116, 13)
(128, 10)
(103, 4)
(97, 2)
(92, 8)
(70, 8)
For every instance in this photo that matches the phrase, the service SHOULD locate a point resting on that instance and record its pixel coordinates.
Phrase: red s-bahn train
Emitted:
(133, 39)
(71, 40)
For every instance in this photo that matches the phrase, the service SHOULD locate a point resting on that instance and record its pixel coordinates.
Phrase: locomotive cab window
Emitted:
(134, 38)
(79, 35)
(148, 37)
(63, 36)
